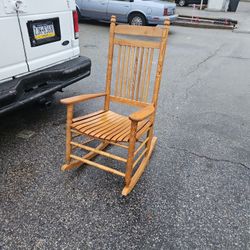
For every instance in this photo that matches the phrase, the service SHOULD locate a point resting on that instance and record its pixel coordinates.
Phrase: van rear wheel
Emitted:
(137, 19)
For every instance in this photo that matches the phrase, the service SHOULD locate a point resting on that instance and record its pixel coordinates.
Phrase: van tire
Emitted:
(137, 18)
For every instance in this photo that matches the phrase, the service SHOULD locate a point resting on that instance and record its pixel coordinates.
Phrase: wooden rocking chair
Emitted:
(134, 64)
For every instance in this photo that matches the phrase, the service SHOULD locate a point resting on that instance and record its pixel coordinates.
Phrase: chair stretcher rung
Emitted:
(139, 157)
(75, 136)
(76, 132)
(115, 157)
(145, 129)
(118, 144)
(100, 166)
(140, 147)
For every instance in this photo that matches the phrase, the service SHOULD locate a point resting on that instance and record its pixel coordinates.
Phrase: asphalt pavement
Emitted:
(195, 193)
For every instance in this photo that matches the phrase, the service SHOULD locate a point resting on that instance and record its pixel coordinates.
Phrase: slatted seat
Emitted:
(108, 125)
(131, 79)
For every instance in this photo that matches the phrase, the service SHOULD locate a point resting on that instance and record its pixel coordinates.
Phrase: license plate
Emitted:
(43, 31)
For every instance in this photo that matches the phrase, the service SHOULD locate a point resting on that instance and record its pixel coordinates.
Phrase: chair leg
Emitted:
(70, 109)
(128, 188)
(131, 150)
(68, 132)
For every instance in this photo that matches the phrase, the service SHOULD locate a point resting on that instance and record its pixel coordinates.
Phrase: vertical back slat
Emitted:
(122, 69)
(118, 71)
(131, 72)
(135, 73)
(125, 83)
(144, 75)
(145, 97)
(139, 74)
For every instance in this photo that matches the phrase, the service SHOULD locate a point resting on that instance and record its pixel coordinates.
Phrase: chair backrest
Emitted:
(133, 68)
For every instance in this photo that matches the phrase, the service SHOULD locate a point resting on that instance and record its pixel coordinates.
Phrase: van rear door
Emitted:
(12, 60)
(48, 31)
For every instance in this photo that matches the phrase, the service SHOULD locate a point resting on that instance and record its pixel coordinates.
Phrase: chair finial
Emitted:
(166, 22)
(113, 19)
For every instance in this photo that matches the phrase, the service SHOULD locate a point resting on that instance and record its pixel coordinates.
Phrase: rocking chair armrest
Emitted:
(81, 98)
(142, 114)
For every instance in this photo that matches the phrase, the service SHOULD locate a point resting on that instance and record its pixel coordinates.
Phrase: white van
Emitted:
(39, 50)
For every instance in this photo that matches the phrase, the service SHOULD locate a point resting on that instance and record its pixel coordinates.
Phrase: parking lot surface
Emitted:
(194, 193)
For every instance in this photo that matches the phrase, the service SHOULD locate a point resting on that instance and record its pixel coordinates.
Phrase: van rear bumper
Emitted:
(35, 86)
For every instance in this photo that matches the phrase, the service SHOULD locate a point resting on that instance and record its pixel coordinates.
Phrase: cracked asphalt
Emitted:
(195, 192)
